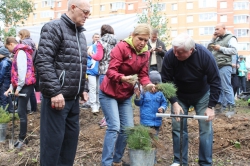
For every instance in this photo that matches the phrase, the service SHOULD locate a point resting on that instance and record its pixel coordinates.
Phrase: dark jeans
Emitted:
(242, 80)
(59, 132)
(22, 108)
(235, 82)
(4, 100)
(33, 101)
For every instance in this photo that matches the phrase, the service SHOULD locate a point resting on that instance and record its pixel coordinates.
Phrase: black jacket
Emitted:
(62, 59)
(159, 55)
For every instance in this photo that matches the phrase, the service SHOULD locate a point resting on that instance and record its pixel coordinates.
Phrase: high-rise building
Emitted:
(196, 17)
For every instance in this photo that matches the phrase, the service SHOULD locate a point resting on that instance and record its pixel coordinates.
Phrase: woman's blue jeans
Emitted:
(119, 115)
(205, 132)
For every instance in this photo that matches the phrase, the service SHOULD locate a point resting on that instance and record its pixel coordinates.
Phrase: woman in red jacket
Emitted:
(129, 57)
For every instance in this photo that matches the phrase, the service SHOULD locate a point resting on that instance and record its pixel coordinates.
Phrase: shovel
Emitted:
(11, 142)
(181, 125)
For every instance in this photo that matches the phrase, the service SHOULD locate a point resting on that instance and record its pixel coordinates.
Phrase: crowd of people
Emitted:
(106, 74)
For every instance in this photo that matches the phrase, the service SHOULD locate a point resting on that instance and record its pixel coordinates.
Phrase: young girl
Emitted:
(22, 81)
(151, 103)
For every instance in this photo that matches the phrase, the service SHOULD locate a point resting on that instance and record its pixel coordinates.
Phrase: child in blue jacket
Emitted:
(151, 103)
(5, 76)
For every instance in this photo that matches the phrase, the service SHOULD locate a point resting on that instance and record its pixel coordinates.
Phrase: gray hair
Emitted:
(183, 40)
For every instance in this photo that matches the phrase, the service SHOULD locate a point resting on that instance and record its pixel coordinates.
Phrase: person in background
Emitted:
(127, 58)
(198, 84)
(234, 77)
(104, 47)
(223, 45)
(157, 51)
(61, 63)
(242, 74)
(93, 76)
(22, 81)
(24, 36)
(5, 77)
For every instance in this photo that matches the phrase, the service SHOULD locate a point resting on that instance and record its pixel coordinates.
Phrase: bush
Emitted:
(139, 138)
(4, 115)
(168, 89)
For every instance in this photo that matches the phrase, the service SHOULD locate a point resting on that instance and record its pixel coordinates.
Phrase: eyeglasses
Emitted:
(86, 12)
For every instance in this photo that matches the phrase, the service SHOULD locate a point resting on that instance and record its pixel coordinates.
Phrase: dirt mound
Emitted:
(231, 142)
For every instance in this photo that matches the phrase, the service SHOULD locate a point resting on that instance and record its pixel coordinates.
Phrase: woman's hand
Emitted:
(129, 79)
(150, 87)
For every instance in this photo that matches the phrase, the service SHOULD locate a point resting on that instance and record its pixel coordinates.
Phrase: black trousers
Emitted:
(59, 132)
(22, 109)
(235, 82)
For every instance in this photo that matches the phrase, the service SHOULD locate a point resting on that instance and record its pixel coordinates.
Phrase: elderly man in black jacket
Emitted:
(61, 63)
(157, 51)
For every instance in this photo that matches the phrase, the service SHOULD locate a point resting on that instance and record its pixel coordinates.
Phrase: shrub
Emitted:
(4, 115)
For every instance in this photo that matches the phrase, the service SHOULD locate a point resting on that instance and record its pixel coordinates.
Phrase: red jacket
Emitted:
(125, 61)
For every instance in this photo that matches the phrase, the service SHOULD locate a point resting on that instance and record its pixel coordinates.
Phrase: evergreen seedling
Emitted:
(168, 89)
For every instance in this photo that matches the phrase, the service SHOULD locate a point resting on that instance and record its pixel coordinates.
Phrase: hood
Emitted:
(29, 41)
(109, 38)
(129, 41)
(25, 48)
(4, 51)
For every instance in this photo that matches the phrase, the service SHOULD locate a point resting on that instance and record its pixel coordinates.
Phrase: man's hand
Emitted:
(85, 96)
(158, 49)
(214, 36)
(216, 47)
(210, 113)
(160, 110)
(177, 110)
(58, 102)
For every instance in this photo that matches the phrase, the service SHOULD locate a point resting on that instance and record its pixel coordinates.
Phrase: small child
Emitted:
(151, 103)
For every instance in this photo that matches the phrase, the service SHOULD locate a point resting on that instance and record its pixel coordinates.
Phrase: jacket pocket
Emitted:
(62, 77)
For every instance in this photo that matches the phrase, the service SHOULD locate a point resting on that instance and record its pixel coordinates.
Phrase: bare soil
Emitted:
(229, 133)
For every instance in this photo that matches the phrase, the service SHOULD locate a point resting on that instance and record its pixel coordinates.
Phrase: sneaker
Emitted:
(20, 143)
(101, 121)
(104, 124)
(85, 106)
(175, 164)
(31, 112)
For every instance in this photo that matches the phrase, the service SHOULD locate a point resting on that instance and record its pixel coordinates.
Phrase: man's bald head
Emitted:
(220, 29)
(78, 11)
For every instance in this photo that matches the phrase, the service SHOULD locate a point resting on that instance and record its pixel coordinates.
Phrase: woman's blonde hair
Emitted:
(24, 33)
(142, 29)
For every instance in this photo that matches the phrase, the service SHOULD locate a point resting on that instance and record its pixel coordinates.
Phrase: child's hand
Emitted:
(137, 92)
(160, 110)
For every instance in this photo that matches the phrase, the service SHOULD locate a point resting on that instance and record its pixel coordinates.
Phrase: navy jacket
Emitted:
(5, 72)
(194, 76)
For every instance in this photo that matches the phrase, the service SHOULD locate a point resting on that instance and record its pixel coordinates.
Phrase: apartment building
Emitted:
(196, 17)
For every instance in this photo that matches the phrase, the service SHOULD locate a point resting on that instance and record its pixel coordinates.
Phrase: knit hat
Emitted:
(4, 51)
(155, 77)
(240, 56)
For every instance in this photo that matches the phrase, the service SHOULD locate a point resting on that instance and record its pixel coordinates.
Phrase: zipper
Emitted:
(80, 54)
(62, 77)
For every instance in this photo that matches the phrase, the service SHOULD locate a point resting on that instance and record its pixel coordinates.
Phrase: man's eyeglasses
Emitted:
(86, 12)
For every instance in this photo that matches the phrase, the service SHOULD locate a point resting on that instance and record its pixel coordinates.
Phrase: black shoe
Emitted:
(20, 143)
(86, 106)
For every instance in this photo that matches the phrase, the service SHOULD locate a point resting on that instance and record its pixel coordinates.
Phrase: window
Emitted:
(48, 3)
(174, 20)
(144, 10)
(102, 7)
(241, 32)
(241, 19)
(206, 31)
(223, 4)
(190, 32)
(162, 6)
(174, 6)
(243, 47)
(47, 14)
(189, 5)
(223, 18)
(130, 6)
(59, 4)
(208, 17)
(91, 9)
(173, 33)
(241, 5)
(34, 15)
(117, 5)
(59, 15)
(204, 43)
(190, 18)
(35, 5)
(207, 3)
